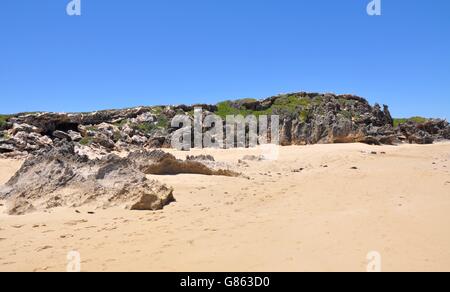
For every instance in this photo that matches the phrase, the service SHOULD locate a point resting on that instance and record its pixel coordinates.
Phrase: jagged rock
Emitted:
(61, 135)
(156, 142)
(424, 133)
(7, 148)
(144, 118)
(59, 176)
(104, 141)
(138, 140)
(421, 138)
(142, 159)
(143, 199)
(305, 118)
(75, 136)
(24, 128)
(24, 142)
(200, 158)
(129, 131)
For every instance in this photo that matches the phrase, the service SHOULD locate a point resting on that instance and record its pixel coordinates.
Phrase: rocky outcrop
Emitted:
(305, 118)
(424, 133)
(60, 177)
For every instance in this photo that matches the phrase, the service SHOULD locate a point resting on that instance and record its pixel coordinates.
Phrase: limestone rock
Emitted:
(59, 176)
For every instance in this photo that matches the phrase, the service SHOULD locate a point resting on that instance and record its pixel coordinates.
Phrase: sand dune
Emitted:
(316, 208)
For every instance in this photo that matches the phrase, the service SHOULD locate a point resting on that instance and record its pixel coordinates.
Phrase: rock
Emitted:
(6, 147)
(20, 206)
(75, 136)
(104, 141)
(127, 130)
(156, 142)
(424, 133)
(24, 128)
(150, 198)
(200, 158)
(305, 118)
(58, 176)
(138, 140)
(61, 135)
(144, 118)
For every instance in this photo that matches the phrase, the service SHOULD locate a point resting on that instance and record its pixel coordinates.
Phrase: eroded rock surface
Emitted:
(305, 118)
(59, 177)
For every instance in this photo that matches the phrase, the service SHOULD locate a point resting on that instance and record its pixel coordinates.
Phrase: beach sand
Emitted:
(316, 208)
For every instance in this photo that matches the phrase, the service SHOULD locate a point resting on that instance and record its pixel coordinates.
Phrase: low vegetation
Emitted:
(86, 141)
(398, 122)
(3, 120)
(225, 109)
(290, 104)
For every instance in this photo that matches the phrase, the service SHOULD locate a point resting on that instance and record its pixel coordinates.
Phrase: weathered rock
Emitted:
(144, 118)
(6, 148)
(104, 141)
(305, 118)
(59, 176)
(200, 158)
(424, 133)
(24, 128)
(75, 136)
(157, 142)
(61, 135)
(138, 140)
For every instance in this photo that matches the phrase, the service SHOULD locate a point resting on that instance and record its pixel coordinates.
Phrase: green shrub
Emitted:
(121, 124)
(225, 109)
(162, 122)
(86, 141)
(145, 128)
(92, 128)
(3, 120)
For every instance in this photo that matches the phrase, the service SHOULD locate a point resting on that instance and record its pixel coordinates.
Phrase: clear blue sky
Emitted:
(145, 52)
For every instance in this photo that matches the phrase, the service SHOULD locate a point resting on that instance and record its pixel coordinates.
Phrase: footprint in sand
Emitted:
(17, 226)
(44, 248)
(43, 269)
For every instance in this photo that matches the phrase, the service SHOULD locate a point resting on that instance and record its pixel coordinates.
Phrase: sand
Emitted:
(345, 203)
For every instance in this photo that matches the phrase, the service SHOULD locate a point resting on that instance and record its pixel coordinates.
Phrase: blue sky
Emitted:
(146, 52)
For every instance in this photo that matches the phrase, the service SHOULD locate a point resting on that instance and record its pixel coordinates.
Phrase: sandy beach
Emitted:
(315, 208)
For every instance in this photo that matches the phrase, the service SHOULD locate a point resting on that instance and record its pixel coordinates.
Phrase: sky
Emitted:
(121, 54)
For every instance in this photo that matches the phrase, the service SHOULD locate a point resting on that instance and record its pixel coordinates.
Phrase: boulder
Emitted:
(58, 177)
(138, 140)
(24, 128)
(61, 135)
(74, 136)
